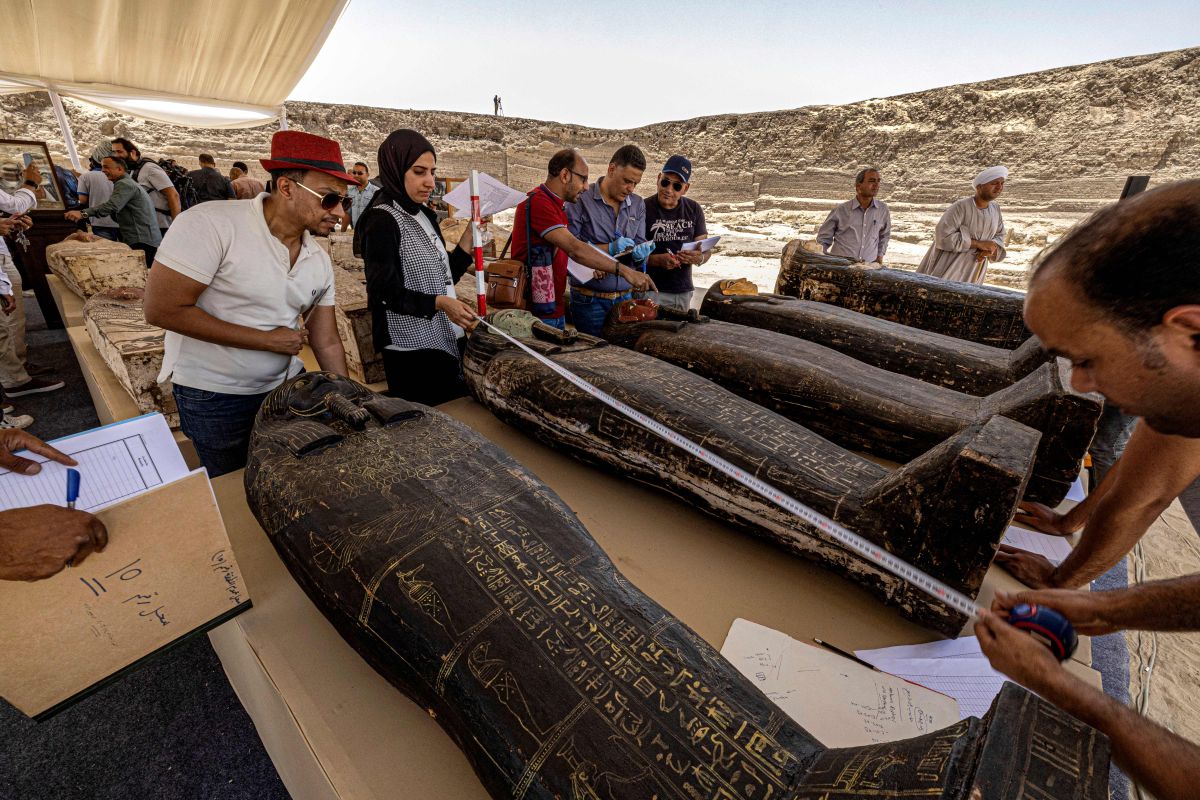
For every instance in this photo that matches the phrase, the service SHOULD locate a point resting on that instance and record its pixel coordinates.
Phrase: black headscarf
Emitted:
(399, 151)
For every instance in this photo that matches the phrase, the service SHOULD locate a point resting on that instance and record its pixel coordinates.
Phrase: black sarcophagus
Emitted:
(856, 405)
(472, 587)
(983, 314)
(957, 364)
(944, 512)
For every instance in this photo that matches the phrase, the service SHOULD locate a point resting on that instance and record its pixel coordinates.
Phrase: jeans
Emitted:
(219, 426)
(112, 234)
(681, 301)
(590, 312)
(556, 322)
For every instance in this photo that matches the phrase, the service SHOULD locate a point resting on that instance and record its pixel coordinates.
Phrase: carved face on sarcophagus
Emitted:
(945, 511)
(984, 314)
(474, 589)
(859, 406)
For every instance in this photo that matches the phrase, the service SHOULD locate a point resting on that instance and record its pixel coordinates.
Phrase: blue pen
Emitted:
(73, 478)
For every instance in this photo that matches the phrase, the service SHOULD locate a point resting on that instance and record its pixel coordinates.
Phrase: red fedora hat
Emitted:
(300, 150)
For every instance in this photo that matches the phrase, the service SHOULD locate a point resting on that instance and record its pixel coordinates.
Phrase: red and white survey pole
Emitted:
(477, 243)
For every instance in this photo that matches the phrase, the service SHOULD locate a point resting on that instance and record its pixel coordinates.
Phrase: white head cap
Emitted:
(990, 174)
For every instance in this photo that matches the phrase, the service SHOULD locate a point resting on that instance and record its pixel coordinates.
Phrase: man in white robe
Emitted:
(970, 235)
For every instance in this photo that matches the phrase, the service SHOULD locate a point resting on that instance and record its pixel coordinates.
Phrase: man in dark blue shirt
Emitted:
(671, 221)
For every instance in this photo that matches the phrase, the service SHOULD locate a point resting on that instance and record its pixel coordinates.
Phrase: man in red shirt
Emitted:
(553, 243)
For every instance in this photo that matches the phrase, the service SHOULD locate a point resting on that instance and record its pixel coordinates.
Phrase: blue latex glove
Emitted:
(619, 245)
(643, 251)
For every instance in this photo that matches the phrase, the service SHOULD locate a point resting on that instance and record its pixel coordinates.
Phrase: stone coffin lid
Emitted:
(88, 268)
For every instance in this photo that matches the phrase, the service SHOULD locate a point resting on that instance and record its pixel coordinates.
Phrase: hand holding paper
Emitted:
(494, 196)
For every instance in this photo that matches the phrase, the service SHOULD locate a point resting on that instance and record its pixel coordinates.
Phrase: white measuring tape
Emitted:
(873, 553)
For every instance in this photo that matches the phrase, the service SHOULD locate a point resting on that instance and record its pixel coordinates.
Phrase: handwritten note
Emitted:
(842, 703)
(970, 681)
(1054, 548)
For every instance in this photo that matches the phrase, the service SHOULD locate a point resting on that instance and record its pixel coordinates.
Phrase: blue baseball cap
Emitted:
(680, 166)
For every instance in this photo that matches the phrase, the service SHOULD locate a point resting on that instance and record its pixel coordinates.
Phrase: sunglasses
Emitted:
(330, 200)
(676, 185)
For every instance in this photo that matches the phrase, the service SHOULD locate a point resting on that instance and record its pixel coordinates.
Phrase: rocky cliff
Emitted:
(1069, 135)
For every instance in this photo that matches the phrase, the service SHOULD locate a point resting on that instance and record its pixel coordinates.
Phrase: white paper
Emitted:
(842, 703)
(1054, 548)
(704, 245)
(1076, 492)
(962, 647)
(970, 681)
(494, 196)
(116, 462)
(581, 273)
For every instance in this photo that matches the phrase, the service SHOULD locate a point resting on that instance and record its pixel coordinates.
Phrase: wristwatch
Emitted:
(31, 184)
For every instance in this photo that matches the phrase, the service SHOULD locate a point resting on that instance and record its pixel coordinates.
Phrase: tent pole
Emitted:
(283, 118)
(65, 126)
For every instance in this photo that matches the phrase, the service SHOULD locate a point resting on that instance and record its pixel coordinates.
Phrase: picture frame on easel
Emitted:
(14, 155)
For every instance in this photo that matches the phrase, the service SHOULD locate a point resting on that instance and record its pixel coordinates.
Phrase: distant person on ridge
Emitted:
(671, 221)
(970, 233)
(210, 184)
(610, 215)
(244, 186)
(860, 228)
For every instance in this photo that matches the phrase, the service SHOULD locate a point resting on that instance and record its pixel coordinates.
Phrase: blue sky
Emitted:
(621, 64)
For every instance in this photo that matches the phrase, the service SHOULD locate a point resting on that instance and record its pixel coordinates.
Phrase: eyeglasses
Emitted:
(330, 200)
(583, 178)
(676, 185)
(357, 172)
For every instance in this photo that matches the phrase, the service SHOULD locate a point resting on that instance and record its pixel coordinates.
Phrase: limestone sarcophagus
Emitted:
(983, 314)
(945, 511)
(354, 326)
(475, 590)
(957, 364)
(88, 268)
(859, 406)
(132, 348)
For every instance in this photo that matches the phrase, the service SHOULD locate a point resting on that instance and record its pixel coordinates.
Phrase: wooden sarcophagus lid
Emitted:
(131, 347)
(944, 512)
(475, 590)
(88, 268)
(983, 314)
(958, 364)
(859, 406)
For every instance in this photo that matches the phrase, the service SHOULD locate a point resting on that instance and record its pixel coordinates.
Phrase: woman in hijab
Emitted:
(417, 321)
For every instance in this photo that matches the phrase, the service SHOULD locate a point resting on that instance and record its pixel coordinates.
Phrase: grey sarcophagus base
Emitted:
(983, 314)
(944, 512)
(475, 590)
(958, 364)
(863, 407)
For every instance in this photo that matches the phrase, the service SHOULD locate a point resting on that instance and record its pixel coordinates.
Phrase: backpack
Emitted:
(188, 196)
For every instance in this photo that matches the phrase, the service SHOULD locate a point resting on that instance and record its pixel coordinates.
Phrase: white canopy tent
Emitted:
(212, 64)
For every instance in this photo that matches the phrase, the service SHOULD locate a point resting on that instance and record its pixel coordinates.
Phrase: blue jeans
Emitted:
(112, 234)
(1112, 433)
(590, 312)
(556, 322)
(219, 426)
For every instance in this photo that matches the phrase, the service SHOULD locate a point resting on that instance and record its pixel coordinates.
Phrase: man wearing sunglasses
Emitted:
(671, 221)
(360, 194)
(240, 286)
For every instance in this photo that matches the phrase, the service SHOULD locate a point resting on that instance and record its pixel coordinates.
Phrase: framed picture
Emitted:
(15, 154)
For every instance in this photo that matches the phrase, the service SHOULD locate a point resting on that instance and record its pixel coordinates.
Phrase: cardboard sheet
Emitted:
(151, 586)
(336, 729)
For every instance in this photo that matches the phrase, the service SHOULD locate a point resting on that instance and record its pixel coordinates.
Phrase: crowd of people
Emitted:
(229, 281)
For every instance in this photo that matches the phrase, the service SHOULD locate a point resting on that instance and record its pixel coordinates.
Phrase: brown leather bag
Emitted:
(508, 279)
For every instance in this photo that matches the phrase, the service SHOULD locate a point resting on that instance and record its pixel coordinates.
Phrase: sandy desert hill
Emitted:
(1069, 135)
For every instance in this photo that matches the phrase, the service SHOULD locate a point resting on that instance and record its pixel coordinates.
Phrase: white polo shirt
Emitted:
(228, 247)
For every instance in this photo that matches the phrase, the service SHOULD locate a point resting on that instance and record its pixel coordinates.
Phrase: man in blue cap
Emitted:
(671, 221)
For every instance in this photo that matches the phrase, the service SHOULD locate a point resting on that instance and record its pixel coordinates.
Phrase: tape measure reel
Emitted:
(1047, 626)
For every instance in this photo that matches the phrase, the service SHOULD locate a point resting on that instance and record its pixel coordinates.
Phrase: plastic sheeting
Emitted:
(212, 64)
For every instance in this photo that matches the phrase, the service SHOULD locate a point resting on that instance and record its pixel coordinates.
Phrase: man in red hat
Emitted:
(235, 283)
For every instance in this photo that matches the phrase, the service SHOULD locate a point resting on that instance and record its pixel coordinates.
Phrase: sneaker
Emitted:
(33, 386)
(19, 422)
(7, 409)
(28, 293)
(37, 370)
